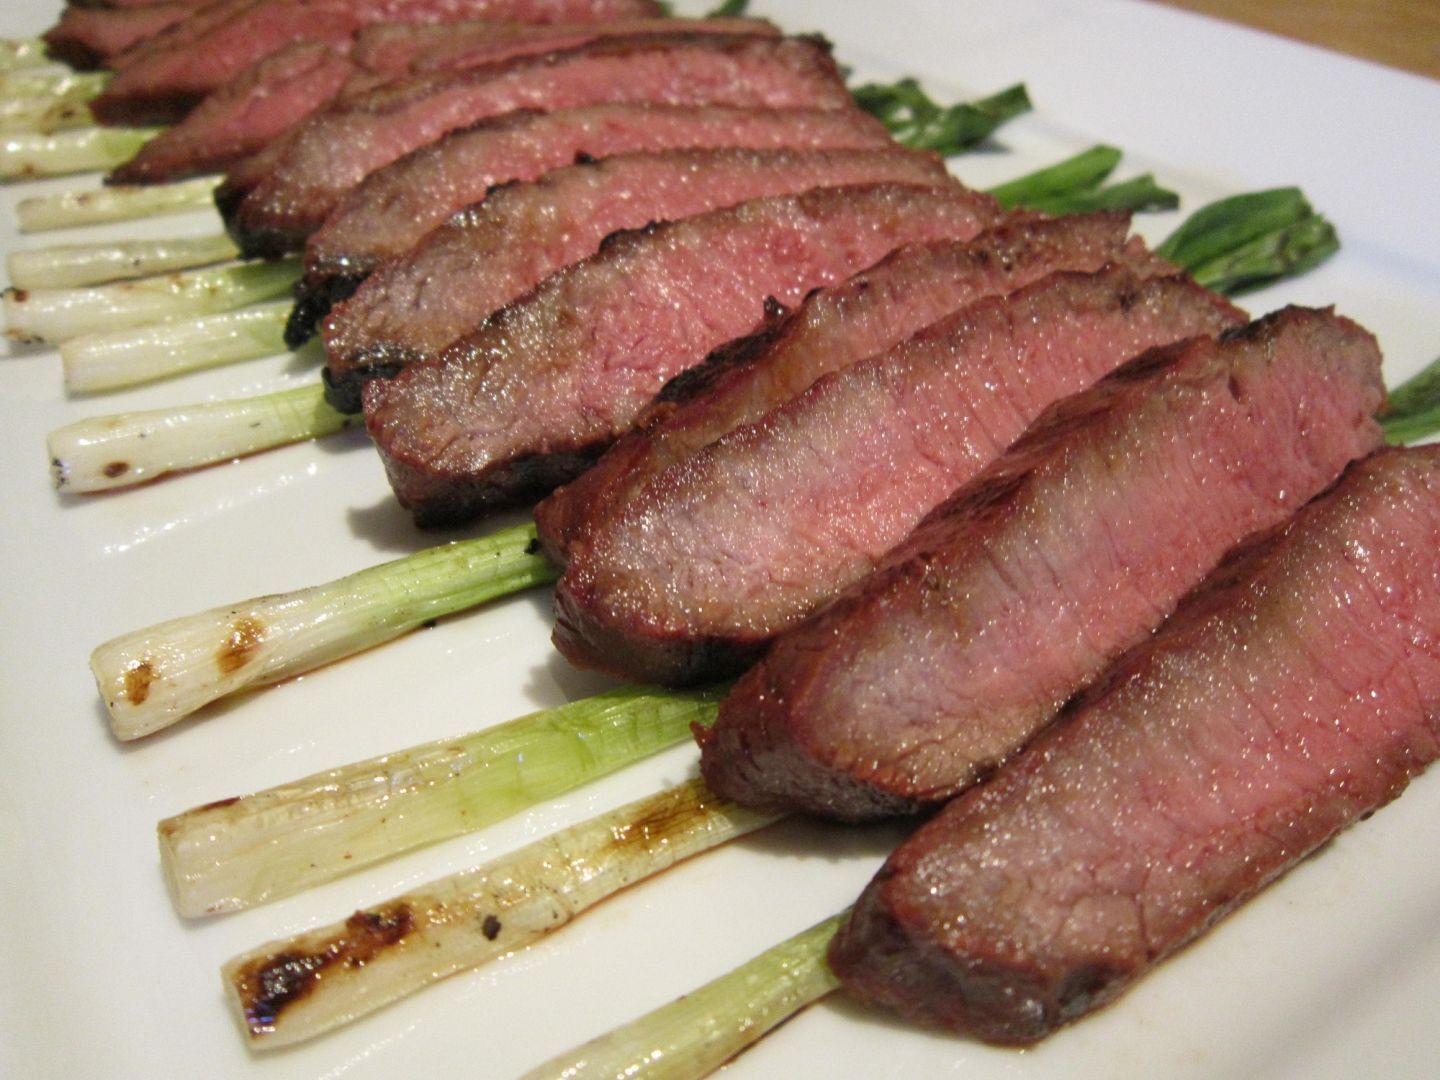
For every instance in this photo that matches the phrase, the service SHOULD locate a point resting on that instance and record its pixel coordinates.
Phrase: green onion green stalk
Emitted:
(241, 852)
(121, 358)
(696, 1034)
(151, 678)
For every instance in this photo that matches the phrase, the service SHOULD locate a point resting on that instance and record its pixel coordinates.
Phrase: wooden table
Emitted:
(1401, 33)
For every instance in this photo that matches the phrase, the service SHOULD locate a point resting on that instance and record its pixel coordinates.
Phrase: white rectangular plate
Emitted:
(1332, 973)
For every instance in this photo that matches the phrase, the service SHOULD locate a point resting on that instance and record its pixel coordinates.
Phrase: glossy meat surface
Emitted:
(747, 537)
(335, 150)
(1022, 587)
(546, 383)
(497, 251)
(1293, 694)
(871, 312)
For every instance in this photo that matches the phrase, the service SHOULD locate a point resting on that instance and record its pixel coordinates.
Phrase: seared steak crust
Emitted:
(720, 552)
(547, 382)
(493, 253)
(333, 151)
(1024, 585)
(1288, 698)
(833, 328)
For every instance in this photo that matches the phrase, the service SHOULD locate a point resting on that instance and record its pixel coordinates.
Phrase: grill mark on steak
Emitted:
(1021, 587)
(548, 381)
(166, 75)
(1292, 695)
(725, 549)
(495, 252)
(833, 328)
(332, 152)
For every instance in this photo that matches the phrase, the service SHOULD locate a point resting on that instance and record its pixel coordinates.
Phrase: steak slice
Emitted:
(832, 329)
(332, 152)
(722, 551)
(175, 71)
(243, 116)
(202, 18)
(1024, 585)
(1294, 694)
(396, 48)
(493, 253)
(532, 396)
(392, 210)
(89, 38)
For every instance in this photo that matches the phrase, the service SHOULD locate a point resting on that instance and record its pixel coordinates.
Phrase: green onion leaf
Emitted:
(917, 121)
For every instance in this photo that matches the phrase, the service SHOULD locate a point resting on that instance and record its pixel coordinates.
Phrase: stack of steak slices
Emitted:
(547, 382)
(693, 575)
(1029, 581)
(398, 214)
(273, 95)
(161, 78)
(833, 328)
(331, 152)
(496, 251)
(394, 208)
(1293, 694)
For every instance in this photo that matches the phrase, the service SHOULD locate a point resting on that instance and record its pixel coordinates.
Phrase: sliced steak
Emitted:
(1023, 586)
(1294, 694)
(175, 71)
(393, 209)
(832, 329)
(89, 38)
(534, 395)
(271, 97)
(724, 550)
(332, 152)
(243, 116)
(396, 48)
(520, 235)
